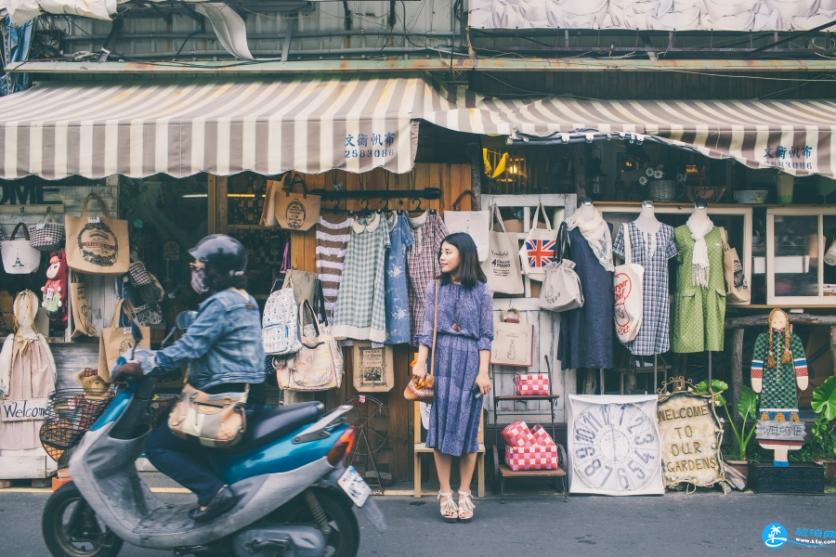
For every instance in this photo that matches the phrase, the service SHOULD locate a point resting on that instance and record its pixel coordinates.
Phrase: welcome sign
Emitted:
(691, 438)
(23, 410)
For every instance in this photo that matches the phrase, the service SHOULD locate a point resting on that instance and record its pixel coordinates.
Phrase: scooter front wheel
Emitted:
(71, 528)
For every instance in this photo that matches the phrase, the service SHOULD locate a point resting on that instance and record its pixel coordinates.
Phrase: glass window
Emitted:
(796, 262)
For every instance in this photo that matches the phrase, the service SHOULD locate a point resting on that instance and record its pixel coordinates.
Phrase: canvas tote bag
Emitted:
(628, 286)
(475, 223)
(562, 290)
(97, 245)
(295, 211)
(80, 310)
(313, 368)
(19, 257)
(116, 340)
(502, 267)
(539, 246)
(737, 290)
(513, 341)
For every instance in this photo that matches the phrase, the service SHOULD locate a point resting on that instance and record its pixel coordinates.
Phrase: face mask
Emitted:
(199, 281)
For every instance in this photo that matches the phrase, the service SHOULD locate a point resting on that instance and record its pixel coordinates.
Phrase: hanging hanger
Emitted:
(418, 209)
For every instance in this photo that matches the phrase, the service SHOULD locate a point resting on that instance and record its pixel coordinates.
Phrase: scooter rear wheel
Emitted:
(344, 538)
(71, 528)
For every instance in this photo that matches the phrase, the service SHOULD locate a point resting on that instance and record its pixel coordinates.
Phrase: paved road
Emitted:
(677, 524)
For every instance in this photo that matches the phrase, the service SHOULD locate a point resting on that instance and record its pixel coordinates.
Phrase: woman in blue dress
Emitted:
(462, 358)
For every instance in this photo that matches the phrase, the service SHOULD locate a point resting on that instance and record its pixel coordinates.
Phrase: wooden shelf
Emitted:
(508, 473)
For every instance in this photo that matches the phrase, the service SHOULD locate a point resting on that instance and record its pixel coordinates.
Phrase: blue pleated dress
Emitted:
(454, 419)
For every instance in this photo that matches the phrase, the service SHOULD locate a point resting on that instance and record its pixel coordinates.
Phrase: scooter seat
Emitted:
(265, 424)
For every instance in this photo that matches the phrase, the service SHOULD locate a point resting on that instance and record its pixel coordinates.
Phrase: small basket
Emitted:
(69, 414)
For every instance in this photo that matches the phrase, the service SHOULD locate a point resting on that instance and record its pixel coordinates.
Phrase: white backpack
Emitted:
(280, 324)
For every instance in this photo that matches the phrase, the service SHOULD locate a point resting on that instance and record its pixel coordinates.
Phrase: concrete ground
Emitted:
(677, 524)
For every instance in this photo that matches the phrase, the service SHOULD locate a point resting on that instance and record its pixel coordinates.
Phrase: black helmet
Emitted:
(222, 254)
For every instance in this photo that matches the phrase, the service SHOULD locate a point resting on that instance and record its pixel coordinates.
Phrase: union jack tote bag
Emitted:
(539, 247)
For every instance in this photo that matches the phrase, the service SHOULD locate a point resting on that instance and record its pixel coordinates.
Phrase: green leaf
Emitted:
(747, 404)
(824, 399)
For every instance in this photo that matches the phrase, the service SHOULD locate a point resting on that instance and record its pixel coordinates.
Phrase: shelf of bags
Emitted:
(526, 397)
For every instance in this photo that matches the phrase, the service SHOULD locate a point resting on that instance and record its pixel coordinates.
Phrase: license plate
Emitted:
(355, 486)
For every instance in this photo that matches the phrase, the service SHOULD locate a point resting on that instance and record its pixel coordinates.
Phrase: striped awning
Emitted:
(795, 136)
(60, 130)
(315, 125)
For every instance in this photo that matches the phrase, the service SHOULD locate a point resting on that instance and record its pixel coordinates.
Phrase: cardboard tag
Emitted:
(94, 220)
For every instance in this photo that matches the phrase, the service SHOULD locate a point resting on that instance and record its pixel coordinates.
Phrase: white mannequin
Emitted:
(586, 210)
(647, 221)
(700, 213)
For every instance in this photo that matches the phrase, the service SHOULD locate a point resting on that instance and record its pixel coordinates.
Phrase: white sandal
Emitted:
(466, 506)
(448, 507)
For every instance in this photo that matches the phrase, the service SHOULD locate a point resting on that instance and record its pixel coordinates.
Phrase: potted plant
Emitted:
(747, 411)
(821, 443)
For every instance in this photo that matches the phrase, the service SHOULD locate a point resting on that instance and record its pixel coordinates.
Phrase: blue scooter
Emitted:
(298, 498)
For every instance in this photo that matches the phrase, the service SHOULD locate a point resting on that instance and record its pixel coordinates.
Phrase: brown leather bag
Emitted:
(421, 390)
(215, 420)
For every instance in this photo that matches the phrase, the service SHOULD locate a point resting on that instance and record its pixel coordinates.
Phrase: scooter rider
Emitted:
(224, 353)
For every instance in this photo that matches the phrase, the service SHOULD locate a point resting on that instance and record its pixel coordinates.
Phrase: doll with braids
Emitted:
(779, 367)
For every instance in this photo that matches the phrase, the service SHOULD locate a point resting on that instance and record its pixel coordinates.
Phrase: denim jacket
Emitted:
(223, 345)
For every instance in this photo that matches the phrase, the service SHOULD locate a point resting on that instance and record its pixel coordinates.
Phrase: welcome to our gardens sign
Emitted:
(691, 437)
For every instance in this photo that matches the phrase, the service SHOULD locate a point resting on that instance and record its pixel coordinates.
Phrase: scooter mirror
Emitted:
(185, 319)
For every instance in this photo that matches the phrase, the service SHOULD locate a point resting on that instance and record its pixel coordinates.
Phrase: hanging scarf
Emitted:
(700, 266)
(595, 230)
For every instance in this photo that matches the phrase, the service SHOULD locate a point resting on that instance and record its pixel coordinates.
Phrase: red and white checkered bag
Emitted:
(535, 457)
(542, 437)
(531, 384)
(517, 434)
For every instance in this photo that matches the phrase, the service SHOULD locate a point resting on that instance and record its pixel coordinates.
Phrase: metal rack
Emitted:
(501, 472)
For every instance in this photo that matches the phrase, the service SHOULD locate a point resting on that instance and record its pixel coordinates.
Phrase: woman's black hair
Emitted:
(470, 271)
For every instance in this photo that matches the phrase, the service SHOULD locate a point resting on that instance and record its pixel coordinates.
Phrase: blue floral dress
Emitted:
(398, 326)
(465, 327)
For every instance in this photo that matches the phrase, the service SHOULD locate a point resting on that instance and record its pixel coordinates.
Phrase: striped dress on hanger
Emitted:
(332, 235)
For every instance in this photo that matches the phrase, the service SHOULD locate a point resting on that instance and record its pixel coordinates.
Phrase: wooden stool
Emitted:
(420, 448)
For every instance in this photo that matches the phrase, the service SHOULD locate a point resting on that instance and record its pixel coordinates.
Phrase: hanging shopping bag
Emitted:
(628, 285)
(313, 367)
(474, 223)
(97, 245)
(49, 234)
(562, 289)
(117, 340)
(830, 254)
(539, 246)
(268, 212)
(303, 284)
(513, 341)
(502, 267)
(279, 324)
(737, 289)
(295, 211)
(82, 321)
(19, 257)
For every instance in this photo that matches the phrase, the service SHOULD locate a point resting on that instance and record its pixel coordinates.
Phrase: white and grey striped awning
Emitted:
(314, 125)
(60, 130)
(795, 136)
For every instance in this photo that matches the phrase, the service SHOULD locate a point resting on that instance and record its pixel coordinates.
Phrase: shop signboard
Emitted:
(614, 445)
(661, 15)
(691, 436)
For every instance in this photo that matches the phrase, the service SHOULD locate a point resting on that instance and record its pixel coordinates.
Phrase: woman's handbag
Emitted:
(737, 289)
(475, 223)
(513, 342)
(49, 234)
(421, 390)
(19, 257)
(313, 368)
(562, 290)
(97, 245)
(502, 267)
(538, 247)
(217, 420)
(628, 286)
(295, 211)
(116, 340)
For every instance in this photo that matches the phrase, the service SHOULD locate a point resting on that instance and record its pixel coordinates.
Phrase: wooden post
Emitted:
(736, 366)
